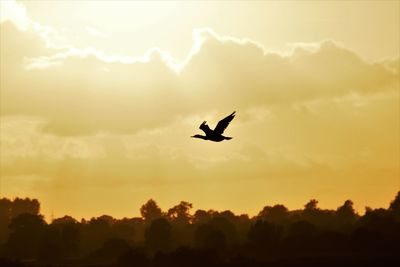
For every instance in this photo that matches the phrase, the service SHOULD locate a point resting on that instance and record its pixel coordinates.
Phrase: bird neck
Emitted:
(200, 136)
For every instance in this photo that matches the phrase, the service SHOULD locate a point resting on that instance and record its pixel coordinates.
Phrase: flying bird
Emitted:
(216, 134)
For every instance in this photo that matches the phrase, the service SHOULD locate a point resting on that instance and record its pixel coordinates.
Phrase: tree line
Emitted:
(276, 236)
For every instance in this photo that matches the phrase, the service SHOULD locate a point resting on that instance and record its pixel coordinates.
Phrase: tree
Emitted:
(66, 220)
(96, 232)
(301, 234)
(5, 218)
(225, 226)
(69, 234)
(50, 249)
(158, 236)
(27, 205)
(395, 204)
(150, 211)
(11, 209)
(275, 214)
(311, 205)
(70, 239)
(207, 236)
(26, 232)
(180, 212)
(201, 216)
(264, 234)
(346, 213)
(124, 229)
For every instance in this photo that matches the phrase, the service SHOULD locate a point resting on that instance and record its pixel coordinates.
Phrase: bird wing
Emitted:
(204, 127)
(222, 124)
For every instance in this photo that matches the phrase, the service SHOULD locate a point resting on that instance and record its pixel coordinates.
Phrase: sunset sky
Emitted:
(98, 101)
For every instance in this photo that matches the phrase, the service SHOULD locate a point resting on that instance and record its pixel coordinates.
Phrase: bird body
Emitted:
(216, 134)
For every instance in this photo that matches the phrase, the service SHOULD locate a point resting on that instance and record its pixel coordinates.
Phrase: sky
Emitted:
(99, 100)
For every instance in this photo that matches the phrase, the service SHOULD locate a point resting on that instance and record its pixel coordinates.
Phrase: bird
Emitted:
(216, 134)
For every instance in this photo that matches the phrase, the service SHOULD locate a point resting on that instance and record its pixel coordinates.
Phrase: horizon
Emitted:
(192, 211)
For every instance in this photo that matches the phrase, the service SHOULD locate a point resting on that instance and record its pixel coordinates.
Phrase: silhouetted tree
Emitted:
(207, 236)
(180, 213)
(96, 232)
(70, 240)
(27, 205)
(225, 226)
(50, 248)
(26, 233)
(69, 235)
(265, 235)
(378, 230)
(150, 211)
(5, 219)
(124, 229)
(158, 236)
(301, 237)
(346, 214)
(318, 217)
(227, 214)
(11, 209)
(276, 214)
(275, 237)
(66, 220)
(311, 205)
(202, 216)
(395, 204)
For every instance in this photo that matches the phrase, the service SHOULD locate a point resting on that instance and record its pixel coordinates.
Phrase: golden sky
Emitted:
(99, 99)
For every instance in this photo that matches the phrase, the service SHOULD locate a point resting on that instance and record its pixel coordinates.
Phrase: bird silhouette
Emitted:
(216, 134)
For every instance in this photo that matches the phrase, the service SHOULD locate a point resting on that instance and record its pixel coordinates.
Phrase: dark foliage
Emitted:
(275, 237)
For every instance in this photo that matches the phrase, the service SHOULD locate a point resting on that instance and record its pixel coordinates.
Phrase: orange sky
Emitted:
(98, 100)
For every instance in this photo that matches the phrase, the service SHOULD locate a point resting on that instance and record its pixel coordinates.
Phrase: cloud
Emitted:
(83, 91)
(16, 13)
(97, 33)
